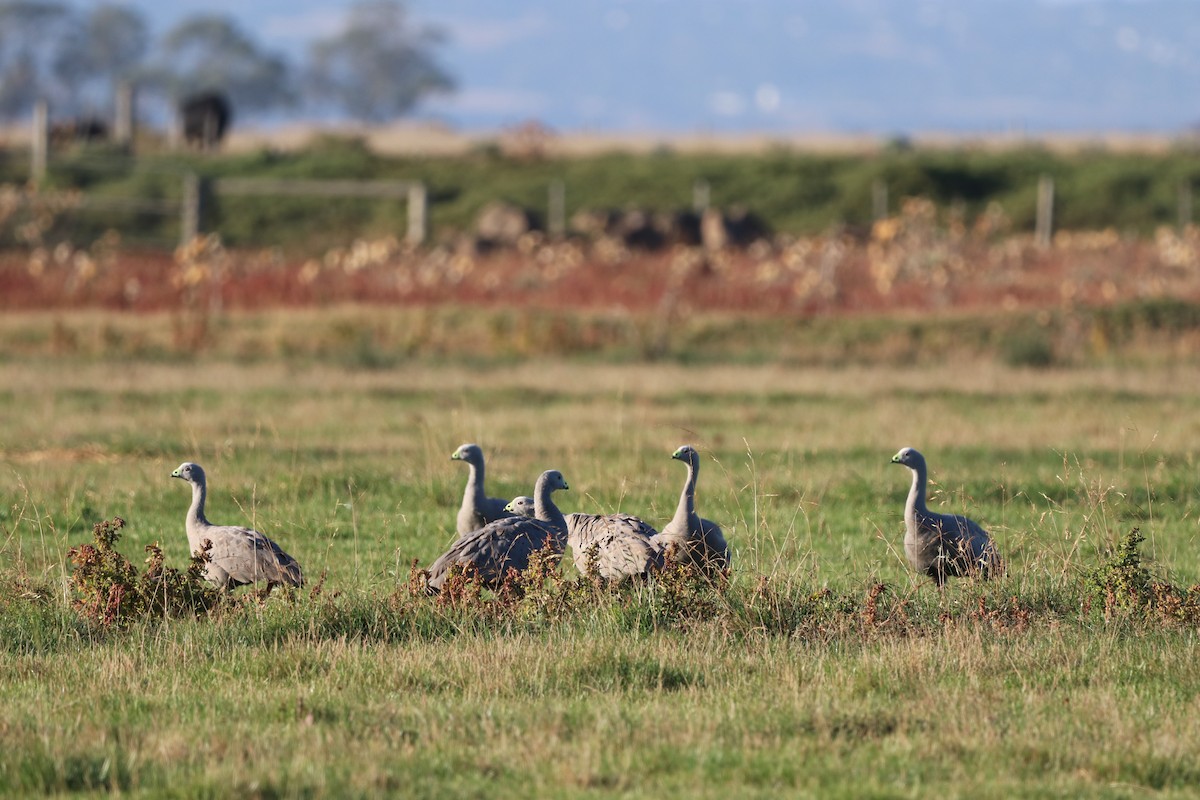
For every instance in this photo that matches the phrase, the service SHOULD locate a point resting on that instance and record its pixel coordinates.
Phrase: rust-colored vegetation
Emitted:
(920, 259)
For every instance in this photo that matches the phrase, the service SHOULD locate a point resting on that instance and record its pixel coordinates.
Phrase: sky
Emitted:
(887, 67)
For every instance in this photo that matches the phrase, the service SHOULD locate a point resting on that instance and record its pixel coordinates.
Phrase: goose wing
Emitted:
(241, 556)
(493, 549)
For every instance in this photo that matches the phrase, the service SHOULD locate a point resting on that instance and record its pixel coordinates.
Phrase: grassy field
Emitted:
(801, 676)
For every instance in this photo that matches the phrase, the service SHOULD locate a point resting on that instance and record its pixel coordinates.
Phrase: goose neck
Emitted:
(474, 490)
(546, 511)
(687, 498)
(196, 516)
(916, 494)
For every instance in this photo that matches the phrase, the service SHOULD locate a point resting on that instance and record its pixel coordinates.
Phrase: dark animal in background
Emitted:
(80, 129)
(205, 117)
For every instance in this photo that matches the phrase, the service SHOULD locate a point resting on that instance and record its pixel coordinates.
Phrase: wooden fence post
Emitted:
(175, 129)
(556, 211)
(700, 195)
(1044, 232)
(416, 213)
(123, 114)
(879, 200)
(1185, 204)
(39, 144)
(190, 209)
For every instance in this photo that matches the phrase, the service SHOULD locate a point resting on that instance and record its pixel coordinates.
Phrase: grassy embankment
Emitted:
(793, 191)
(799, 676)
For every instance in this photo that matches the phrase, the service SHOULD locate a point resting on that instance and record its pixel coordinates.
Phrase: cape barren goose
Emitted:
(623, 545)
(508, 542)
(705, 543)
(239, 555)
(941, 545)
(477, 508)
(619, 549)
(524, 506)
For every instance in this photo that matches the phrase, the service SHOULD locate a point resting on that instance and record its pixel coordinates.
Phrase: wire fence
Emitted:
(175, 203)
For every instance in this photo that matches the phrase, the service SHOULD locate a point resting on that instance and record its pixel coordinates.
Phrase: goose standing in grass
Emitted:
(239, 555)
(705, 542)
(507, 542)
(941, 545)
(624, 546)
(477, 508)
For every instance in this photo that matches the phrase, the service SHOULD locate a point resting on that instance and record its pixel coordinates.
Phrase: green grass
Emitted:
(799, 677)
(1159, 332)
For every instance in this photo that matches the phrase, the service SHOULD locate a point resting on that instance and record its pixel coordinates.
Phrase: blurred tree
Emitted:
(100, 49)
(378, 67)
(210, 53)
(26, 26)
(18, 85)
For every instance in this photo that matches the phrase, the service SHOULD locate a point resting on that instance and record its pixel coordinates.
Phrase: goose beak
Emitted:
(175, 474)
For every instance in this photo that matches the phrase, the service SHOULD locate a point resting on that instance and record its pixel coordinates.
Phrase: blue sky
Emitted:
(783, 66)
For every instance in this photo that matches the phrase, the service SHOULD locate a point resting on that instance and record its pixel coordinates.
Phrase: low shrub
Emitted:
(111, 592)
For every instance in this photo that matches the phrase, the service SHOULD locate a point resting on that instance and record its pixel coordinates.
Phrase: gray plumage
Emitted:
(238, 555)
(941, 545)
(619, 551)
(477, 508)
(689, 536)
(623, 545)
(584, 529)
(507, 542)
